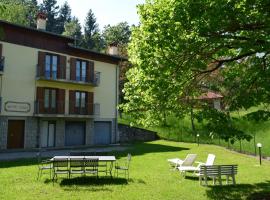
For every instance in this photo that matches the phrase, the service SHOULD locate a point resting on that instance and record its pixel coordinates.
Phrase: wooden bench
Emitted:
(216, 172)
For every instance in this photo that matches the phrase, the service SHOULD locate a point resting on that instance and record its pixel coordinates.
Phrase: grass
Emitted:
(150, 177)
(180, 130)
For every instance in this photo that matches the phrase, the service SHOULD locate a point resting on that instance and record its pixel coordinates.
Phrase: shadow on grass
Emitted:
(137, 149)
(144, 148)
(259, 191)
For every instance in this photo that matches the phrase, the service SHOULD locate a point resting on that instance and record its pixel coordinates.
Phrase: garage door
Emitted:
(102, 132)
(75, 133)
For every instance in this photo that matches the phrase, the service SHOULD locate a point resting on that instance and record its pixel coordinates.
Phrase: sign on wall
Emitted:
(11, 106)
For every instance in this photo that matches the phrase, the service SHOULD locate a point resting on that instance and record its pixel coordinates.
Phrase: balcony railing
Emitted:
(81, 109)
(55, 108)
(61, 76)
(59, 108)
(2, 64)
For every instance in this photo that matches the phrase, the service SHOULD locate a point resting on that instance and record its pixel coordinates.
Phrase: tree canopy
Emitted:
(182, 46)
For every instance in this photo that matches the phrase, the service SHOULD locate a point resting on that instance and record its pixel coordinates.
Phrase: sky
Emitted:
(106, 11)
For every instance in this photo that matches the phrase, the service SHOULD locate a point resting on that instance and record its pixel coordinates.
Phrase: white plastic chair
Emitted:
(188, 161)
(185, 168)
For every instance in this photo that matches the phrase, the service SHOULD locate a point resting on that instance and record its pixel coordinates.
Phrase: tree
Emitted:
(52, 10)
(119, 33)
(64, 17)
(14, 11)
(73, 29)
(180, 43)
(33, 9)
(92, 37)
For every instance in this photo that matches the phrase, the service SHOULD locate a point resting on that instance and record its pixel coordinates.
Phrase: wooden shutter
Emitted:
(90, 103)
(40, 100)
(61, 69)
(61, 101)
(41, 64)
(90, 72)
(71, 102)
(73, 69)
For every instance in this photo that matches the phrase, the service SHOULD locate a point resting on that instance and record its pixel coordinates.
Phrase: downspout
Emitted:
(116, 101)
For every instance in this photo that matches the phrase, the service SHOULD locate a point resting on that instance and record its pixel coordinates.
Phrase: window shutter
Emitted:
(90, 103)
(73, 69)
(90, 72)
(61, 69)
(41, 64)
(61, 101)
(71, 102)
(40, 100)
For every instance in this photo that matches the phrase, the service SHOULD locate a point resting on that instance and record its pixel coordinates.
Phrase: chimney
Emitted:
(41, 21)
(113, 49)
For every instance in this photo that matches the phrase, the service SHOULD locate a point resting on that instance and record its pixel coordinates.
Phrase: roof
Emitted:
(69, 41)
(210, 95)
(36, 30)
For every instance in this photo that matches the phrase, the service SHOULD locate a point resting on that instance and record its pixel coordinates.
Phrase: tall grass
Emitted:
(180, 130)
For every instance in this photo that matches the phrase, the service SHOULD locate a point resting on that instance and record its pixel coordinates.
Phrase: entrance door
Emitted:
(47, 134)
(15, 134)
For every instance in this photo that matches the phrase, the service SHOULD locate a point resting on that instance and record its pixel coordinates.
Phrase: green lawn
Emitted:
(150, 177)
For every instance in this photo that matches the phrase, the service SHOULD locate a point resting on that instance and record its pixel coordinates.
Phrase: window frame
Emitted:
(53, 67)
(82, 76)
(51, 105)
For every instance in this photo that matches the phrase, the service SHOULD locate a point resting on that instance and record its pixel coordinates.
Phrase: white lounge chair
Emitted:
(185, 168)
(188, 161)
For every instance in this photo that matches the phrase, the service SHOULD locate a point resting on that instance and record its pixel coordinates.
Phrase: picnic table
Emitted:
(106, 159)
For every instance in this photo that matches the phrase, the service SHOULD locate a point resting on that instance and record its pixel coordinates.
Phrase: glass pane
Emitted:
(54, 67)
(78, 71)
(83, 71)
(48, 66)
(46, 98)
(83, 100)
(77, 104)
(53, 99)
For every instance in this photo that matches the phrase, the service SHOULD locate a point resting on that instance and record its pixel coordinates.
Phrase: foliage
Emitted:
(180, 44)
(15, 11)
(51, 8)
(92, 37)
(73, 29)
(221, 124)
(64, 17)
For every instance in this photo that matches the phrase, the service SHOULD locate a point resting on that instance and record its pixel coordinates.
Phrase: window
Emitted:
(80, 100)
(51, 62)
(81, 70)
(50, 99)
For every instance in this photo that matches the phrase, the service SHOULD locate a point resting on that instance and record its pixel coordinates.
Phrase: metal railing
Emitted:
(61, 75)
(2, 64)
(73, 109)
(50, 75)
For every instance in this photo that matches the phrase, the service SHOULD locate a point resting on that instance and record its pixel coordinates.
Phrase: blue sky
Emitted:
(106, 11)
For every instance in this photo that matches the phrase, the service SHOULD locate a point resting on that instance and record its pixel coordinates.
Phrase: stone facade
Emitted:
(132, 134)
(30, 134)
(3, 132)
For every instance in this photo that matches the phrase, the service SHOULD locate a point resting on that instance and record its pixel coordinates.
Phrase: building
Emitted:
(52, 93)
(213, 99)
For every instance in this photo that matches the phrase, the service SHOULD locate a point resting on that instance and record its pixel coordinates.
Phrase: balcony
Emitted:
(56, 109)
(2, 65)
(61, 76)
(88, 110)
